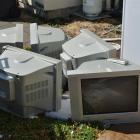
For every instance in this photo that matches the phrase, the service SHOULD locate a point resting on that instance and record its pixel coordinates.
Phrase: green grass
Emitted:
(42, 128)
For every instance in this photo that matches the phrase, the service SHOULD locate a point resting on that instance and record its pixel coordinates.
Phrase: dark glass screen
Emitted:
(109, 95)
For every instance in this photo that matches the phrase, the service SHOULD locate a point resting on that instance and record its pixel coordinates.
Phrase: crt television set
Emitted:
(47, 40)
(30, 83)
(12, 36)
(104, 91)
(84, 47)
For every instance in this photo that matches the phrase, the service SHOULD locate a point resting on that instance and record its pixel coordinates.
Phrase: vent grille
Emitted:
(36, 91)
(36, 86)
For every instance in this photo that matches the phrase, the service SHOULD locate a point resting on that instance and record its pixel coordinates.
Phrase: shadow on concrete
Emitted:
(133, 128)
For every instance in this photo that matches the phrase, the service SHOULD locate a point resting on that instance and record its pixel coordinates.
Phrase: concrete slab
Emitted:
(132, 128)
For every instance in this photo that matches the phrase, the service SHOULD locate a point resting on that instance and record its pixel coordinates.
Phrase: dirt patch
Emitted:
(102, 27)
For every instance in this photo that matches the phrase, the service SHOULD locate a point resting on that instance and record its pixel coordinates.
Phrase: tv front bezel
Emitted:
(76, 99)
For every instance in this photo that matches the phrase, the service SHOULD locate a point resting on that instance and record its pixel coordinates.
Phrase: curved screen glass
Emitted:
(110, 95)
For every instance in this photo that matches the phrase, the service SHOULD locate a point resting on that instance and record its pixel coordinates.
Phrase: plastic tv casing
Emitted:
(84, 47)
(30, 83)
(44, 40)
(12, 36)
(47, 40)
(105, 91)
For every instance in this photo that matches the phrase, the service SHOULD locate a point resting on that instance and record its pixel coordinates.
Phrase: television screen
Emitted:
(109, 95)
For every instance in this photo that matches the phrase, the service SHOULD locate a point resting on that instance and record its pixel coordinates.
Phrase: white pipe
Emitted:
(112, 39)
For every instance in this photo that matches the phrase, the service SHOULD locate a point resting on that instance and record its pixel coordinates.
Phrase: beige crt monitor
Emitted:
(105, 91)
(30, 83)
(47, 40)
(84, 47)
(131, 31)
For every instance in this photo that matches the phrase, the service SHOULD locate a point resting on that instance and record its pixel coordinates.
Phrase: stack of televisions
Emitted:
(101, 87)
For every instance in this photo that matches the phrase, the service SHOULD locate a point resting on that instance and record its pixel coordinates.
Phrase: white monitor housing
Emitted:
(47, 40)
(84, 47)
(105, 91)
(12, 36)
(30, 83)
